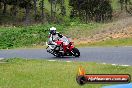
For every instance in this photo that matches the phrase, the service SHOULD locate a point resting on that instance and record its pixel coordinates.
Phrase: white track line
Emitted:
(51, 60)
(103, 63)
(116, 64)
(68, 61)
(1, 58)
(125, 65)
(57, 60)
(2, 62)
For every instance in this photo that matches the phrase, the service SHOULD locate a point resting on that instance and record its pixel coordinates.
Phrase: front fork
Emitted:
(53, 51)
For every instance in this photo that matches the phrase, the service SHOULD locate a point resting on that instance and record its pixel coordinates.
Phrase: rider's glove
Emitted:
(54, 43)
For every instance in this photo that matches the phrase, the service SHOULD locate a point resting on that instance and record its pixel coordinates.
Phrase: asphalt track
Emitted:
(112, 55)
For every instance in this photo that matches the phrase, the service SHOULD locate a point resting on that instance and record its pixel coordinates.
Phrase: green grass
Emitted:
(115, 4)
(114, 42)
(36, 35)
(78, 30)
(22, 73)
(13, 37)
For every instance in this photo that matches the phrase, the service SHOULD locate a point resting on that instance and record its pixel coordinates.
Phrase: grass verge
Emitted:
(22, 73)
(111, 42)
(37, 35)
(14, 37)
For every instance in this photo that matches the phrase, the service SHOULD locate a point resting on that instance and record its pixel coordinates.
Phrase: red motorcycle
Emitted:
(63, 47)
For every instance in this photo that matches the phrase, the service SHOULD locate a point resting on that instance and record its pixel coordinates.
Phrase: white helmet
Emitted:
(53, 30)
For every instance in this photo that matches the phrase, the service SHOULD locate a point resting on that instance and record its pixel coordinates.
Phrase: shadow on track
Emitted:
(64, 58)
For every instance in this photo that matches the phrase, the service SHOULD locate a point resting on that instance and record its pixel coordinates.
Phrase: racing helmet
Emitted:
(53, 30)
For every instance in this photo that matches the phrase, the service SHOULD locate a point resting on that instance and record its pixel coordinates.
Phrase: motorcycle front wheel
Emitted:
(76, 52)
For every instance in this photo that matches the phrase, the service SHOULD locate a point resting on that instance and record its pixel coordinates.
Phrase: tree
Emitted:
(121, 4)
(42, 8)
(91, 10)
(0, 5)
(35, 7)
(126, 5)
(63, 8)
(27, 5)
(54, 4)
(51, 5)
(14, 9)
(4, 5)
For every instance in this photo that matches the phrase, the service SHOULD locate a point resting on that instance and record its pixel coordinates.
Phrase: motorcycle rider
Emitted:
(54, 36)
(61, 48)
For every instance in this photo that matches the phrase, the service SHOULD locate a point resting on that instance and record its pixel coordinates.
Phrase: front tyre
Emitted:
(76, 52)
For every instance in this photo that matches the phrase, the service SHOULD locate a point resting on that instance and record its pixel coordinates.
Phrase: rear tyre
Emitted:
(76, 52)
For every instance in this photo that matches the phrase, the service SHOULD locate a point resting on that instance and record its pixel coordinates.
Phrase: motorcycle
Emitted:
(64, 47)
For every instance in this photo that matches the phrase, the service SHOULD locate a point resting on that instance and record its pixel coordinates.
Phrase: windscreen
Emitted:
(65, 40)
